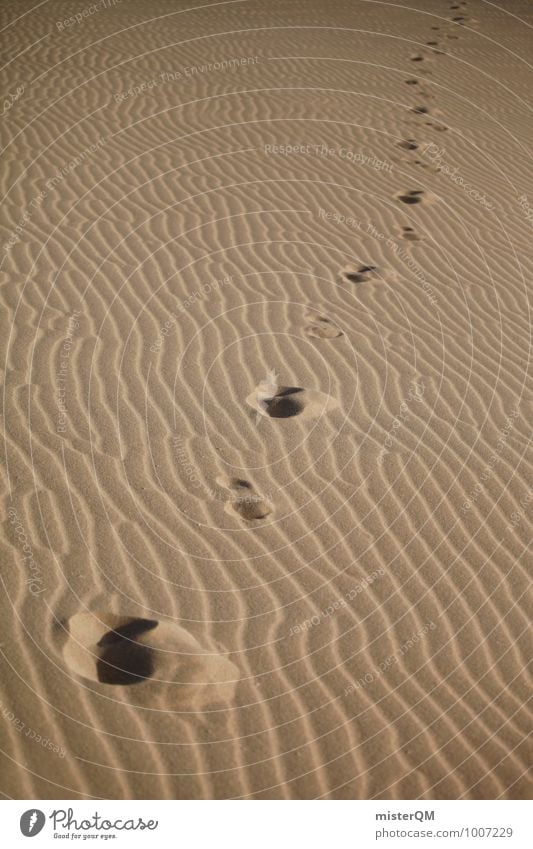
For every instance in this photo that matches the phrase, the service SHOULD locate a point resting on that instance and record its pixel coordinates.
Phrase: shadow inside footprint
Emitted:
(287, 402)
(361, 275)
(407, 144)
(410, 234)
(414, 196)
(284, 404)
(129, 631)
(239, 483)
(124, 661)
(114, 649)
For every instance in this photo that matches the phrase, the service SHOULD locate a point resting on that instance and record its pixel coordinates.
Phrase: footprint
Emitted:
(285, 402)
(359, 275)
(440, 128)
(420, 110)
(321, 327)
(410, 234)
(413, 196)
(383, 275)
(417, 58)
(411, 82)
(429, 166)
(126, 650)
(461, 20)
(408, 144)
(244, 500)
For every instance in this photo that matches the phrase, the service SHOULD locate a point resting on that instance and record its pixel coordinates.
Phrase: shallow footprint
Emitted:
(429, 166)
(440, 128)
(321, 327)
(153, 654)
(361, 274)
(410, 234)
(407, 144)
(243, 499)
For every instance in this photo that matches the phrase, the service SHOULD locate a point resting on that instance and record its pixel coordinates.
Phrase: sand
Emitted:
(317, 593)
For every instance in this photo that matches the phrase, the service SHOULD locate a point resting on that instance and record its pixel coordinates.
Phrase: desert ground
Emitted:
(265, 269)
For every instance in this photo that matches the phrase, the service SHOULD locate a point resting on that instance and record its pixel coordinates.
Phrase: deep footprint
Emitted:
(286, 402)
(156, 655)
(411, 197)
(124, 661)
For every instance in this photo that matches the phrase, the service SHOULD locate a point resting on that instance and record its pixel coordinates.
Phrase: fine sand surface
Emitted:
(265, 274)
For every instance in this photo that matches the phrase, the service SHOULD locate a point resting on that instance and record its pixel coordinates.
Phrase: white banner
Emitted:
(268, 824)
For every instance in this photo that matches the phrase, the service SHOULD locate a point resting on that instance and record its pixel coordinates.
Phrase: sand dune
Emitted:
(218, 589)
